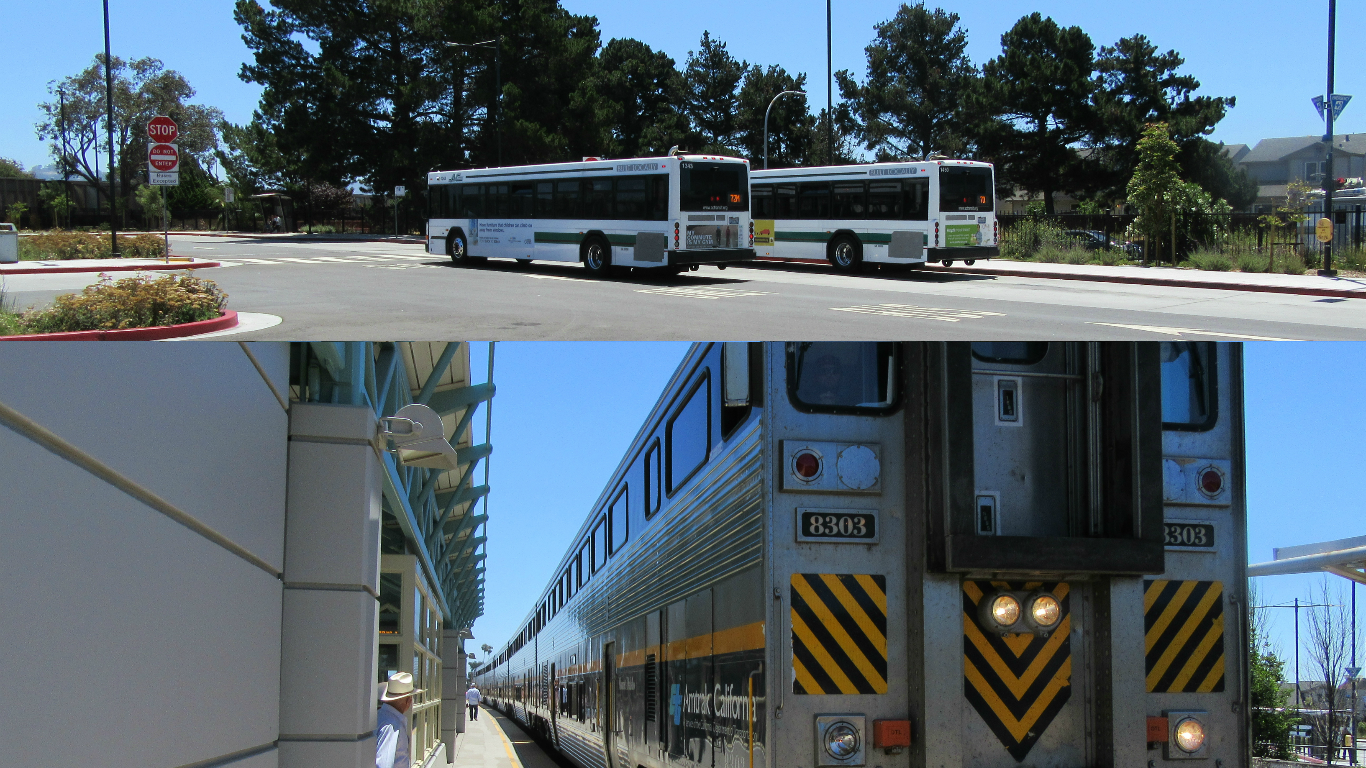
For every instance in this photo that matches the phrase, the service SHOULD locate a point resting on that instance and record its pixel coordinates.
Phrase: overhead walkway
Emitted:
(1344, 557)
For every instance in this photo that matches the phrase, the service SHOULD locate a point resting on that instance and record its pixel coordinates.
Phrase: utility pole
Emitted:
(1355, 671)
(1297, 605)
(1328, 178)
(66, 173)
(829, 93)
(770, 109)
(109, 124)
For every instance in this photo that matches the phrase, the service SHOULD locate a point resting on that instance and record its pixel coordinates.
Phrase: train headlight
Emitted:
(842, 741)
(1189, 735)
(1186, 739)
(1005, 611)
(1045, 611)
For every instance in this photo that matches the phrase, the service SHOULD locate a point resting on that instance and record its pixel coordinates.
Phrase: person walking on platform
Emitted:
(472, 699)
(391, 737)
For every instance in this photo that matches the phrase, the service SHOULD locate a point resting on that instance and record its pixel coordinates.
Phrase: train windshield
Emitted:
(1188, 385)
(842, 376)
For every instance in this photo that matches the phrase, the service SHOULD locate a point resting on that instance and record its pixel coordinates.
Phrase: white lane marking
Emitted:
(558, 277)
(248, 261)
(702, 293)
(919, 313)
(400, 266)
(204, 248)
(1190, 332)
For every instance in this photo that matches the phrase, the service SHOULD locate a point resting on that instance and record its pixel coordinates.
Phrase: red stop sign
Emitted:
(163, 157)
(162, 129)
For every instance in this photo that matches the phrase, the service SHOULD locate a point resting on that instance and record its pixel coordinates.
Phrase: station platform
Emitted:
(494, 741)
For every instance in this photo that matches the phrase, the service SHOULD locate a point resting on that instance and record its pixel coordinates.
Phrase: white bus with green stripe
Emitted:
(881, 213)
(662, 214)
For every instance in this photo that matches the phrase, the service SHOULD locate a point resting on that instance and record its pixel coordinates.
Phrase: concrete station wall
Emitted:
(128, 640)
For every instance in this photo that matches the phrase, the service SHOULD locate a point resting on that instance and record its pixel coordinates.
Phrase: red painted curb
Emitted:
(117, 268)
(1176, 283)
(227, 320)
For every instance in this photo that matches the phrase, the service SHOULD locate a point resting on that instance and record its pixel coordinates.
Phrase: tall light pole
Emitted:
(770, 109)
(1328, 179)
(829, 93)
(497, 45)
(109, 123)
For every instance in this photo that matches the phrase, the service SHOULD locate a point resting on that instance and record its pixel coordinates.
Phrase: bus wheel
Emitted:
(845, 254)
(947, 262)
(970, 262)
(596, 256)
(523, 262)
(455, 247)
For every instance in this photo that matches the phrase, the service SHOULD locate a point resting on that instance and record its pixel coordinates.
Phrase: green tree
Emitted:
(1206, 164)
(1034, 106)
(1152, 190)
(13, 169)
(910, 102)
(1135, 86)
(1271, 719)
(791, 127)
(54, 197)
(711, 77)
(641, 91)
(143, 89)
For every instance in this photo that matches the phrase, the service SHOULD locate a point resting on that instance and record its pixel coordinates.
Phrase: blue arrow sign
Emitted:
(1339, 103)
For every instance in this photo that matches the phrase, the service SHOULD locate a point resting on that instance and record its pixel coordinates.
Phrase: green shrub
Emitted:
(1251, 261)
(87, 245)
(1211, 261)
(1109, 257)
(140, 301)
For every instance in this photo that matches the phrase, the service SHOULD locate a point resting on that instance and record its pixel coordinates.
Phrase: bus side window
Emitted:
(520, 205)
(472, 201)
(567, 199)
(619, 515)
(499, 201)
(598, 199)
(850, 200)
(761, 201)
(659, 197)
(785, 201)
(813, 200)
(545, 199)
(884, 200)
(917, 199)
(631, 198)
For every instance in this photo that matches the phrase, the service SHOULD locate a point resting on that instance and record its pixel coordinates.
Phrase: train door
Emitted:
(689, 627)
(608, 703)
(554, 706)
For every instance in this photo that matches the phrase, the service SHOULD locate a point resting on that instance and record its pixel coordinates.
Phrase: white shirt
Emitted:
(391, 739)
(472, 696)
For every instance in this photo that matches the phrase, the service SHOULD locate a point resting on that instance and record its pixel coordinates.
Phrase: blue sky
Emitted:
(566, 412)
(1271, 58)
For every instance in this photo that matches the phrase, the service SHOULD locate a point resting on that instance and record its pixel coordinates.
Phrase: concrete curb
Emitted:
(155, 267)
(225, 321)
(299, 237)
(1174, 283)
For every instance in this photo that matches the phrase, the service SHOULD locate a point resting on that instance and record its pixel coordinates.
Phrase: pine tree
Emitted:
(711, 77)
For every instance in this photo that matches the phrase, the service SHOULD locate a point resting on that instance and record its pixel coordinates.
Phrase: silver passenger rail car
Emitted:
(906, 554)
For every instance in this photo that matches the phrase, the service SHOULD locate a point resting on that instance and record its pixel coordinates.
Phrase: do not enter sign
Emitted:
(163, 157)
(162, 130)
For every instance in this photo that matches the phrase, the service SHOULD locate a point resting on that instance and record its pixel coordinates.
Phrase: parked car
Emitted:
(1095, 240)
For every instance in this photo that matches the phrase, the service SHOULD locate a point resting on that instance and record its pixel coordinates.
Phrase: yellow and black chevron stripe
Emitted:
(1017, 683)
(839, 633)
(1183, 636)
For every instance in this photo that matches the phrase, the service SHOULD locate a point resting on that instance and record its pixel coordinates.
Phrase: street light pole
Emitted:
(109, 123)
(829, 93)
(497, 45)
(1328, 179)
(770, 109)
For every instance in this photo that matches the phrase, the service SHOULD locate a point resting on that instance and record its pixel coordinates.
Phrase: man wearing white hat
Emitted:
(391, 738)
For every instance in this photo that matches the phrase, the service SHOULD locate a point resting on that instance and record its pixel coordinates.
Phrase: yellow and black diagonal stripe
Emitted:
(839, 633)
(1183, 636)
(1018, 683)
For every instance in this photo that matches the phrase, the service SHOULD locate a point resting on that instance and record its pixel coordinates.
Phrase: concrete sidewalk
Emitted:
(1306, 284)
(305, 237)
(494, 741)
(60, 266)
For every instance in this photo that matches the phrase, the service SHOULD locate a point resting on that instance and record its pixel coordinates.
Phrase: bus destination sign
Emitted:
(841, 526)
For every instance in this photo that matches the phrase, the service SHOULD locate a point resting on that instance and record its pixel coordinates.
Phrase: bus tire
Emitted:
(596, 256)
(457, 248)
(846, 254)
(970, 262)
(947, 262)
(523, 262)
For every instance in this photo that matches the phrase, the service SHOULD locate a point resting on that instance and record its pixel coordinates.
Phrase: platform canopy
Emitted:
(1344, 557)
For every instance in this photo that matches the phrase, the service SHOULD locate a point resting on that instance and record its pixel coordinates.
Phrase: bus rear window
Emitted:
(965, 188)
(842, 376)
(713, 186)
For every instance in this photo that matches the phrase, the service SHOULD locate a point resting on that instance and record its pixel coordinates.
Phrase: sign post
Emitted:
(163, 166)
(399, 191)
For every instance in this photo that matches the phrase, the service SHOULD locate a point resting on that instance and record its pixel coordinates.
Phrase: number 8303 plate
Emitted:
(847, 526)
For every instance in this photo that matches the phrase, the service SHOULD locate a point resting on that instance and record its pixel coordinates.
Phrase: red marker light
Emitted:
(1211, 481)
(807, 465)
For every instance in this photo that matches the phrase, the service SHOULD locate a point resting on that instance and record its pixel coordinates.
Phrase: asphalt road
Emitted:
(364, 290)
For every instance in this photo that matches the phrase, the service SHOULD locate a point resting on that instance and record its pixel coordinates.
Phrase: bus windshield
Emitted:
(713, 186)
(965, 188)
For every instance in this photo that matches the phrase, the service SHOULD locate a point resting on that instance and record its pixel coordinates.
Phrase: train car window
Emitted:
(600, 544)
(736, 389)
(1189, 400)
(619, 517)
(1010, 352)
(582, 567)
(842, 376)
(688, 436)
(652, 485)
